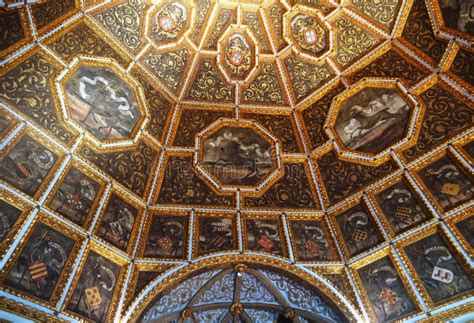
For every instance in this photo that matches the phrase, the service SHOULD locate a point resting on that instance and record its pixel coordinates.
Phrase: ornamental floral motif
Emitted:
(125, 22)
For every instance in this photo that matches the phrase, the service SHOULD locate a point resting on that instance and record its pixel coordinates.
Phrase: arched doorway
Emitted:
(240, 288)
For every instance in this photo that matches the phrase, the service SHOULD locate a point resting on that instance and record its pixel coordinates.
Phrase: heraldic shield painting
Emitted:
(236, 160)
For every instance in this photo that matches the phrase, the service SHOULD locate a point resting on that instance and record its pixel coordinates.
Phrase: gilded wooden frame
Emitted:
(114, 257)
(339, 210)
(453, 220)
(137, 223)
(104, 63)
(420, 165)
(327, 233)
(66, 270)
(264, 217)
(365, 296)
(446, 68)
(8, 305)
(400, 245)
(319, 17)
(415, 105)
(13, 123)
(153, 10)
(25, 210)
(217, 215)
(26, 31)
(100, 180)
(260, 187)
(145, 232)
(60, 157)
(255, 51)
(383, 218)
(436, 14)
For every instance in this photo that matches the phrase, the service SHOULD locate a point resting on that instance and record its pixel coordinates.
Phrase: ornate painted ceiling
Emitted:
(208, 160)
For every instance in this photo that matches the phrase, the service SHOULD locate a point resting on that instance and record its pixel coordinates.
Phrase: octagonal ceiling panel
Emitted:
(103, 100)
(455, 19)
(152, 141)
(238, 155)
(309, 32)
(170, 21)
(372, 117)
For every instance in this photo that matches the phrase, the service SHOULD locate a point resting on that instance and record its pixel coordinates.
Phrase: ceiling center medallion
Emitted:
(309, 32)
(167, 23)
(311, 36)
(170, 21)
(238, 154)
(237, 53)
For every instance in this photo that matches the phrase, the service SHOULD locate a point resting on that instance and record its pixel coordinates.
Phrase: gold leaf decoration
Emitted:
(225, 18)
(202, 12)
(353, 42)
(252, 20)
(27, 88)
(124, 21)
(265, 88)
(305, 77)
(382, 11)
(275, 12)
(169, 67)
(82, 40)
(209, 85)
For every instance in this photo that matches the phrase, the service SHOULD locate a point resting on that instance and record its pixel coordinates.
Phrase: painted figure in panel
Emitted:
(372, 120)
(401, 208)
(117, 223)
(458, 14)
(101, 102)
(264, 235)
(466, 227)
(387, 293)
(215, 234)
(358, 229)
(8, 216)
(311, 241)
(237, 156)
(438, 268)
(450, 185)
